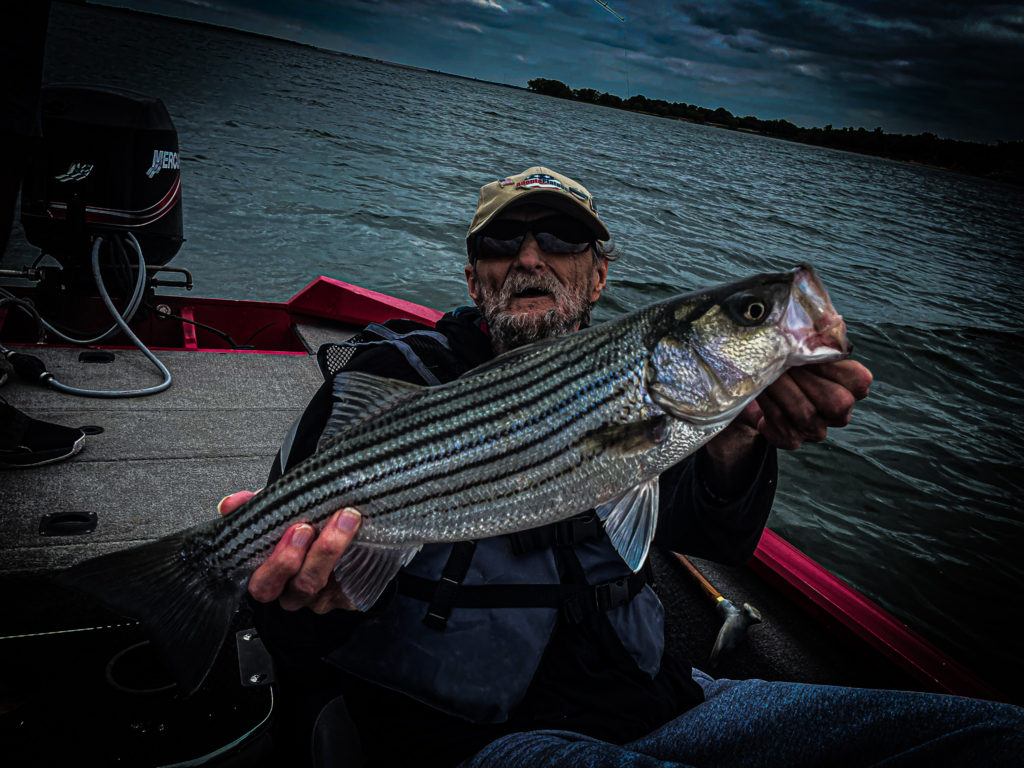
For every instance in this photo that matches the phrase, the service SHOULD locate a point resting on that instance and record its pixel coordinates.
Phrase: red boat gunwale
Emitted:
(849, 613)
(332, 299)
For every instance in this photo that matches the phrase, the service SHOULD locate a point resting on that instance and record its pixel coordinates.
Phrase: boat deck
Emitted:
(162, 461)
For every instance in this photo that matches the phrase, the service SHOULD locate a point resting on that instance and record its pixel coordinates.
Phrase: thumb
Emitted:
(752, 415)
(233, 501)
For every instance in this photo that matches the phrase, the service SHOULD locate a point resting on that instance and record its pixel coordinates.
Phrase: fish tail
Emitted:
(184, 603)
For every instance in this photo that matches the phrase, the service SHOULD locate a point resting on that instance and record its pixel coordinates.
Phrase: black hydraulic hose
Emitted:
(171, 316)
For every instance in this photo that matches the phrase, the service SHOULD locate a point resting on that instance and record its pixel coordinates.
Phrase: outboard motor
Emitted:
(103, 198)
(108, 167)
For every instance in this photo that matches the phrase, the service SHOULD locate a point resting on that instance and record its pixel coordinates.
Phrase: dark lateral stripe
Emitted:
(442, 422)
(464, 476)
(509, 393)
(466, 471)
(564, 413)
(455, 502)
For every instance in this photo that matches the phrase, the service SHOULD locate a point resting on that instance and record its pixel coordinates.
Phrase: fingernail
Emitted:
(348, 520)
(302, 535)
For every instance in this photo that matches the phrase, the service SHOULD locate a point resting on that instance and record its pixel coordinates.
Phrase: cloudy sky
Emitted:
(953, 68)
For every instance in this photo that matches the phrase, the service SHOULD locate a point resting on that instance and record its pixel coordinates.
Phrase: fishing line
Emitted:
(112, 681)
(204, 759)
(69, 631)
(625, 68)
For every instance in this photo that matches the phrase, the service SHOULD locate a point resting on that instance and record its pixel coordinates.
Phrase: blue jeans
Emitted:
(757, 723)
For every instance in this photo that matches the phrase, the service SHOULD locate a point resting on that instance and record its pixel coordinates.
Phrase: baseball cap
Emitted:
(541, 186)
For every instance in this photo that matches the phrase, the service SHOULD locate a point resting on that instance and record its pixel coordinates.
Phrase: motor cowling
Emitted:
(108, 164)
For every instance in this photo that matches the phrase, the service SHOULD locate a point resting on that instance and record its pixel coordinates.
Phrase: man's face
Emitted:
(534, 294)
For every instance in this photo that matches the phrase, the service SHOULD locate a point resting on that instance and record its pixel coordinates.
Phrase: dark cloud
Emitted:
(952, 68)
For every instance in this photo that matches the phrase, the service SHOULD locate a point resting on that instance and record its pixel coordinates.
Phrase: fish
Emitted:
(538, 434)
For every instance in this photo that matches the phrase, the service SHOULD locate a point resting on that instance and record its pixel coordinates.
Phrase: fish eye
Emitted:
(755, 310)
(748, 309)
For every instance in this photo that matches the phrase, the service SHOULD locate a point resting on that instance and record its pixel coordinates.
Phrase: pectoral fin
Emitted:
(630, 522)
(634, 437)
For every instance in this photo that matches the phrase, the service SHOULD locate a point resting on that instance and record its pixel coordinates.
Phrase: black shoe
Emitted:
(28, 442)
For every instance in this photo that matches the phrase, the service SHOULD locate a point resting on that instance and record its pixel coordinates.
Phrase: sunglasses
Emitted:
(554, 234)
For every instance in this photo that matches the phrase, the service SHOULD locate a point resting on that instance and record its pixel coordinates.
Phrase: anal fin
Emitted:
(365, 570)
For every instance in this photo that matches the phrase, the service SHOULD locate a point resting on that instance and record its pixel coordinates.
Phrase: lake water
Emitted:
(298, 162)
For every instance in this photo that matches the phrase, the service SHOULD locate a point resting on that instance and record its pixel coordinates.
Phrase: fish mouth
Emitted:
(818, 328)
(833, 337)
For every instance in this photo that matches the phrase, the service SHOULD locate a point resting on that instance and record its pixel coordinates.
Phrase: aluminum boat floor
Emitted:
(162, 461)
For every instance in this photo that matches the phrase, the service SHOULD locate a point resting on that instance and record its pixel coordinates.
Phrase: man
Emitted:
(446, 663)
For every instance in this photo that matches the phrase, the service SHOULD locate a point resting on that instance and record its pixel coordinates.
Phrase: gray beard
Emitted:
(508, 331)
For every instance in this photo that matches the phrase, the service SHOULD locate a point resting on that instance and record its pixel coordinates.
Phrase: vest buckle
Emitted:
(597, 599)
(612, 594)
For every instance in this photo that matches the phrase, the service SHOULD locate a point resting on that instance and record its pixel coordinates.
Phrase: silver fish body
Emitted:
(537, 435)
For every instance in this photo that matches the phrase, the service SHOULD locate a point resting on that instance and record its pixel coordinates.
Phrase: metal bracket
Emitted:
(255, 666)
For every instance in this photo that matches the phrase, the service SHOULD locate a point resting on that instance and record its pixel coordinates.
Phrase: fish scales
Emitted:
(536, 435)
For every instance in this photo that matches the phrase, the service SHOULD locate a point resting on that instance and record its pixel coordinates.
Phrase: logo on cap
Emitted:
(541, 181)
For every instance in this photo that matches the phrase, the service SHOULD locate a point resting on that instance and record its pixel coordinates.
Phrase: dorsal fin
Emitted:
(360, 396)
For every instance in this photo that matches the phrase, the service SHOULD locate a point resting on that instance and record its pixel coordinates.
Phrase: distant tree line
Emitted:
(1003, 161)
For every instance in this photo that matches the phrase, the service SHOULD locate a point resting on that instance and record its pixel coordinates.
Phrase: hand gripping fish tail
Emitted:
(538, 434)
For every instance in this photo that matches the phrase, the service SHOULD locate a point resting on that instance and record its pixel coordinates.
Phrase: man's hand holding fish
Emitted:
(298, 571)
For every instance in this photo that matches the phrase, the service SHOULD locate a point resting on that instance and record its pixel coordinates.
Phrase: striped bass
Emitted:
(541, 433)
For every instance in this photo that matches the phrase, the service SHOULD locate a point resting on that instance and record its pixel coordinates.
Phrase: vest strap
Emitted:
(333, 356)
(447, 588)
(573, 530)
(599, 598)
(574, 600)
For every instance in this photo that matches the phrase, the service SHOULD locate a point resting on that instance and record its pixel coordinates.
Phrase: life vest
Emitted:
(469, 622)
